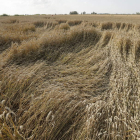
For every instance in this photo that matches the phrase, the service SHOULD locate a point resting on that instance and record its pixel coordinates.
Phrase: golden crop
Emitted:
(70, 77)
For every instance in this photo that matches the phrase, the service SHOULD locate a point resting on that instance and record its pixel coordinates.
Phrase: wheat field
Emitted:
(65, 77)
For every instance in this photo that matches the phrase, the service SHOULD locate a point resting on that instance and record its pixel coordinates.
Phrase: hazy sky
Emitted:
(65, 6)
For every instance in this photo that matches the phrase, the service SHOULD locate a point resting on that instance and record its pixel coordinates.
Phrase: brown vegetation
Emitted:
(64, 26)
(39, 23)
(74, 22)
(106, 26)
(61, 81)
(61, 21)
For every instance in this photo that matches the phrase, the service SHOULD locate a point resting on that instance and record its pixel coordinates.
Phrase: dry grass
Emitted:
(11, 21)
(51, 45)
(106, 38)
(137, 51)
(69, 82)
(64, 26)
(16, 34)
(107, 26)
(61, 21)
(39, 23)
(123, 25)
(74, 22)
(118, 25)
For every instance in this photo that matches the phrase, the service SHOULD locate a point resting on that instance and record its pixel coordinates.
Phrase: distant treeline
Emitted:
(75, 13)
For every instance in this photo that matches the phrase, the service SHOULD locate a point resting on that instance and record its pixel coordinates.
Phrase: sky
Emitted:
(12, 7)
